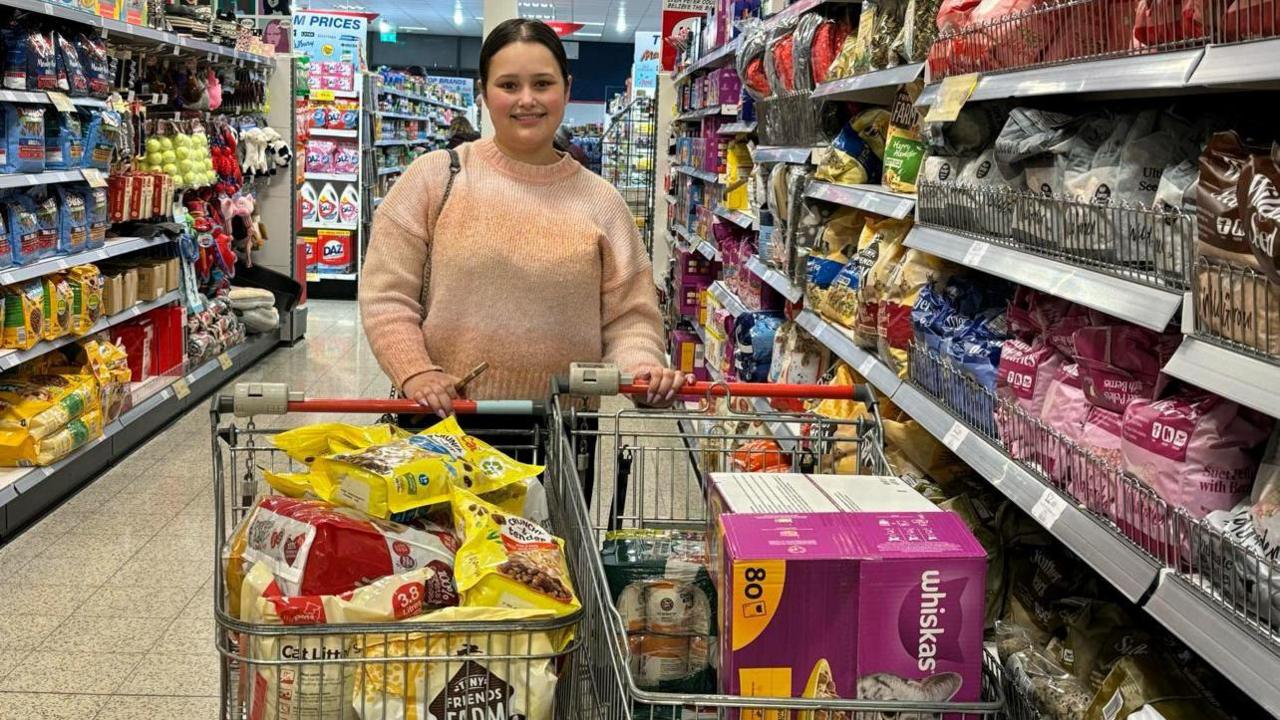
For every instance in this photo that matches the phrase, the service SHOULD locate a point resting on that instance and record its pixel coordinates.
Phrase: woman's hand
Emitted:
(664, 383)
(435, 390)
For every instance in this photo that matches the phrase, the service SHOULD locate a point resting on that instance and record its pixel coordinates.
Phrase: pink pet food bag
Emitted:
(1022, 380)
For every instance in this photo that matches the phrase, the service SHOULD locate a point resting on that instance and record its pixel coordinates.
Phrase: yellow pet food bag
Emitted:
(24, 315)
(18, 448)
(307, 443)
(41, 404)
(508, 561)
(86, 297)
(57, 307)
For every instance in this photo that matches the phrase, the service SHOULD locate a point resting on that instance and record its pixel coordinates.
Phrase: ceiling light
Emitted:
(413, 28)
(457, 14)
(586, 34)
(584, 22)
(622, 23)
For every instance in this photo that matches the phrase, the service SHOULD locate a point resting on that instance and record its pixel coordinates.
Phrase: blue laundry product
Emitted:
(24, 138)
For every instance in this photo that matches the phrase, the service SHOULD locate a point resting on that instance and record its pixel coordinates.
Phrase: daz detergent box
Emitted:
(883, 606)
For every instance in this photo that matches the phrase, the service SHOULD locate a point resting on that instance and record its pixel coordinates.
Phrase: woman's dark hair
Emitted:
(522, 30)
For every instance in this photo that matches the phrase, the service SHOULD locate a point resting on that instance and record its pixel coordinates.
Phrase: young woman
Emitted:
(533, 262)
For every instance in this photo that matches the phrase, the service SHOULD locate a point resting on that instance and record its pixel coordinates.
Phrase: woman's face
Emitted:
(526, 97)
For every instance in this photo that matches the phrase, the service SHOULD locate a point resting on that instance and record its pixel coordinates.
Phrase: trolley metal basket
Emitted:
(319, 672)
(648, 473)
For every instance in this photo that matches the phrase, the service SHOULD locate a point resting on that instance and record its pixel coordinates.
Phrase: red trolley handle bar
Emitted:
(700, 389)
(405, 406)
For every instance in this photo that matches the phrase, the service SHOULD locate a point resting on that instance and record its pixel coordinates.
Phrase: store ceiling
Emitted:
(604, 20)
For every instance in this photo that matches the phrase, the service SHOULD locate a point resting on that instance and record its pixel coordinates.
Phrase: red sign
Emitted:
(564, 29)
(675, 31)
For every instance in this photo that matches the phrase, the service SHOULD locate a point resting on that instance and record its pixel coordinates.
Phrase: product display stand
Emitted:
(1207, 585)
(627, 159)
(169, 377)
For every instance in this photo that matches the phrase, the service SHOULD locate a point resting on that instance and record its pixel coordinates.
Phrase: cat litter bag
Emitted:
(24, 136)
(64, 140)
(72, 78)
(1198, 451)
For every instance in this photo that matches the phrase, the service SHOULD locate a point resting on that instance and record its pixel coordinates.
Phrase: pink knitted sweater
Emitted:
(532, 267)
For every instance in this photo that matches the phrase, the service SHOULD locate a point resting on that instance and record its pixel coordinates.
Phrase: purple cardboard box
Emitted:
(883, 606)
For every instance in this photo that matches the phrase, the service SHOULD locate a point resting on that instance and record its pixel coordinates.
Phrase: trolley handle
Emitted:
(588, 379)
(252, 399)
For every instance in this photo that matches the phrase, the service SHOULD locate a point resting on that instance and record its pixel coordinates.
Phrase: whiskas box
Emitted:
(879, 606)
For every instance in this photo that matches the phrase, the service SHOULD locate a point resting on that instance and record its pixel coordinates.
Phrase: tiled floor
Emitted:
(106, 603)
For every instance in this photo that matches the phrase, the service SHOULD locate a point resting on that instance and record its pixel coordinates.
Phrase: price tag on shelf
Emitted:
(1004, 473)
(61, 101)
(313, 277)
(974, 255)
(63, 264)
(94, 177)
(1048, 508)
(955, 436)
(225, 361)
(181, 389)
(322, 95)
(952, 96)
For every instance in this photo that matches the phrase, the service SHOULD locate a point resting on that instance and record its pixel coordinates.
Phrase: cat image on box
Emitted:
(889, 687)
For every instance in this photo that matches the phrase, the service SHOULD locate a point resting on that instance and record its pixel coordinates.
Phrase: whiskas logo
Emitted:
(930, 620)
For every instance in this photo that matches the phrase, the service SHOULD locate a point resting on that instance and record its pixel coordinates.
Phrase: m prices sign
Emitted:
(330, 37)
(674, 12)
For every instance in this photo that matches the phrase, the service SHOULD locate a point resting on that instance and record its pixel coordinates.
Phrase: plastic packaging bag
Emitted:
(24, 133)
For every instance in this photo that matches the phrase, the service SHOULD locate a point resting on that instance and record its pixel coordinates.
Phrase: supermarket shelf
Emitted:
(840, 343)
(719, 57)
(737, 128)
(1155, 74)
(737, 217)
(1233, 650)
(344, 277)
(403, 116)
(775, 279)
(1247, 63)
(391, 142)
(21, 180)
(327, 132)
(329, 226)
(726, 298)
(767, 154)
(706, 175)
(1114, 558)
(13, 358)
(27, 492)
(708, 251)
(121, 29)
(390, 171)
(1142, 304)
(419, 98)
(1235, 376)
(40, 98)
(112, 248)
(878, 87)
(872, 198)
(707, 112)
(335, 177)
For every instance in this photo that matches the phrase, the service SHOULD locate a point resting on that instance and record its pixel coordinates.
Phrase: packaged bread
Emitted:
(57, 307)
(315, 548)
(18, 448)
(41, 404)
(86, 297)
(508, 561)
(454, 679)
(24, 314)
(309, 685)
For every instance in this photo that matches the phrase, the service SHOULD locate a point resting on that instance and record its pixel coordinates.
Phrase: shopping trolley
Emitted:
(319, 666)
(649, 473)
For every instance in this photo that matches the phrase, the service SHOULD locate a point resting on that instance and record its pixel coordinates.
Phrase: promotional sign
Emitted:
(644, 70)
(276, 33)
(673, 13)
(330, 37)
(464, 87)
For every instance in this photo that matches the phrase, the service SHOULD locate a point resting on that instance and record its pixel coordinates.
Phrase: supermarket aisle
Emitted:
(106, 608)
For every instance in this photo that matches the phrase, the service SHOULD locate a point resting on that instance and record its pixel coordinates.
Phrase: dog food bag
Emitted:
(23, 314)
(24, 134)
(64, 140)
(96, 63)
(72, 78)
(86, 297)
(880, 250)
(18, 448)
(1197, 451)
(73, 221)
(527, 498)
(508, 561)
(310, 688)
(398, 478)
(24, 227)
(109, 365)
(311, 442)
(315, 548)
(41, 404)
(57, 307)
(455, 680)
